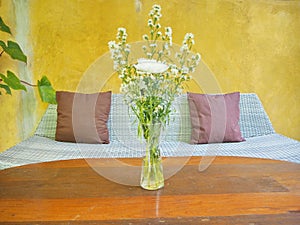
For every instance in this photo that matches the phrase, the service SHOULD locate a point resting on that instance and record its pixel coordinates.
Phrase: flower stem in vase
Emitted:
(152, 177)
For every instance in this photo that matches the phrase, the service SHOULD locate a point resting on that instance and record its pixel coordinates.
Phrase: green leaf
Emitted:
(46, 91)
(3, 45)
(7, 89)
(14, 50)
(4, 27)
(12, 81)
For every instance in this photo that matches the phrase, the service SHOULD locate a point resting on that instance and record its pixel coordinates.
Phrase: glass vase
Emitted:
(152, 177)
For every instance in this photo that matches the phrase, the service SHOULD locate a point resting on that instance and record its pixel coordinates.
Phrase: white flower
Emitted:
(145, 37)
(127, 50)
(153, 45)
(184, 47)
(151, 66)
(111, 44)
(122, 29)
(174, 71)
(168, 31)
(158, 108)
(166, 46)
(198, 57)
(152, 77)
(124, 88)
(142, 84)
(185, 69)
(122, 33)
(156, 8)
(150, 22)
(116, 66)
(188, 36)
(156, 17)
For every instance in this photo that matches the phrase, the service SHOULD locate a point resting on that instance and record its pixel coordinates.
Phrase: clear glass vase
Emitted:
(152, 177)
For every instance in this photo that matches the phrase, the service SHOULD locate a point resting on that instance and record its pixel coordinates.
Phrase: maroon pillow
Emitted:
(215, 118)
(82, 118)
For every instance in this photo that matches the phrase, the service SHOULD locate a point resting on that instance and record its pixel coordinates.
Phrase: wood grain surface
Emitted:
(231, 191)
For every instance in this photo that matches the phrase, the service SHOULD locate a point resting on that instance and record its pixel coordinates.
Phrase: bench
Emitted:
(261, 139)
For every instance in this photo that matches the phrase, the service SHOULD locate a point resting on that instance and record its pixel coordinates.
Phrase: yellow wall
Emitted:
(250, 45)
(8, 104)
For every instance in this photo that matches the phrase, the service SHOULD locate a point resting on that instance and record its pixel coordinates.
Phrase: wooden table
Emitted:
(231, 191)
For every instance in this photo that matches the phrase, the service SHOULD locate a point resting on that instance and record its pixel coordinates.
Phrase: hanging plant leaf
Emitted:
(12, 81)
(4, 27)
(46, 91)
(6, 88)
(14, 50)
(3, 45)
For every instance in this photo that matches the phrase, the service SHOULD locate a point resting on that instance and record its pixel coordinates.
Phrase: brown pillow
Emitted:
(82, 118)
(215, 118)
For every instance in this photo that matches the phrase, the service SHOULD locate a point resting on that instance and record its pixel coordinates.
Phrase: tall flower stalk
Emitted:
(151, 84)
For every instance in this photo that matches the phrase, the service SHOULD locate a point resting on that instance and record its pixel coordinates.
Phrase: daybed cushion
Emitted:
(215, 118)
(253, 120)
(82, 117)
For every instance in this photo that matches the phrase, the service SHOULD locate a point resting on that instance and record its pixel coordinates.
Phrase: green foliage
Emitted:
(6, 88)
(11, 81)
(14, 50)
(47, 93)
(4, 27)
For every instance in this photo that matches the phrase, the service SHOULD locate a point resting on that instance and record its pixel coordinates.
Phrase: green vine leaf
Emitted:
(12, 81)
(14, 50)
(4, 27)
(3, 45)
(46, 91)
(6, 88)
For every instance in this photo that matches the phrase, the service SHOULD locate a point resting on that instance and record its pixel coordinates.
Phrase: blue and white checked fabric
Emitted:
(261, 139)
(253, 120)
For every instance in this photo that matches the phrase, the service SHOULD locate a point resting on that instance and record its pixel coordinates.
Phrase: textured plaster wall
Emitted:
(27, 110)
(8, 104)
(20, 112)
(250, 45)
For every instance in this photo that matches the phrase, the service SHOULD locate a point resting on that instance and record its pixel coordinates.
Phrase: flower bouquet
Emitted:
(151, 84)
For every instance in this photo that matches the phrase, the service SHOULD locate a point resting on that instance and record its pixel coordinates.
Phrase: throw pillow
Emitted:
(82, 118)
(215, 118)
